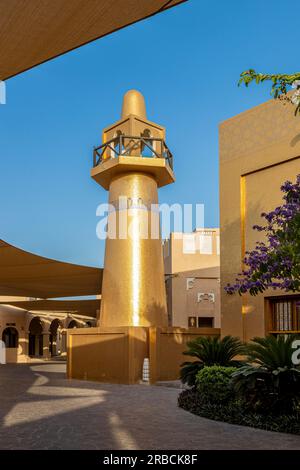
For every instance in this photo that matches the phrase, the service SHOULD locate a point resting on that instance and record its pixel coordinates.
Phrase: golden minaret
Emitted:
(132, 163)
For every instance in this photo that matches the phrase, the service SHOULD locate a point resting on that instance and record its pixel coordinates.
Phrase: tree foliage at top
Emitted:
(281, 85)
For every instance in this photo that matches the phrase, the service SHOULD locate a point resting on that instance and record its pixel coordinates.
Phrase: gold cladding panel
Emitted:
(133, 292)
(255, 149)
(158, 167)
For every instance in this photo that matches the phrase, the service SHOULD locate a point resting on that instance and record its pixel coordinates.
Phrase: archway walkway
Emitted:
(41, 409)
(35, 338)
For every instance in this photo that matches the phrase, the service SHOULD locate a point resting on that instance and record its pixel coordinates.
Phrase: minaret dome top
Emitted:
(134, 103)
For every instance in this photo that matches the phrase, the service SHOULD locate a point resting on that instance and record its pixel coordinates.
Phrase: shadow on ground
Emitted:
(41, 409)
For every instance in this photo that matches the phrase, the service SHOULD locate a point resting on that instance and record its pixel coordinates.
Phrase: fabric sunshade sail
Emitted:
(81, 307)
(27, 275)
(34, 31)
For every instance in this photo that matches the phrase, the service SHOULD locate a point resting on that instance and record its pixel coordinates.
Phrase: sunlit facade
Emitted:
(192, 275)
(29, 336)
(259, 151)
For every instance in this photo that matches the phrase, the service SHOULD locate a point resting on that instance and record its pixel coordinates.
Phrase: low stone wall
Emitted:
(167, 346)
(116, 355)
(113, 355)
(14, 355)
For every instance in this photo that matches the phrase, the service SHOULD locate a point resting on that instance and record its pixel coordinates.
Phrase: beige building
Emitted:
(192, 270)
(29, 335)
(259, 150)
(40, 299)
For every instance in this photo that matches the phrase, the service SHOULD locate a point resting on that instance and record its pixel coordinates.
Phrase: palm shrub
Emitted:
(214, 383)
(269, 382)
(210, 351)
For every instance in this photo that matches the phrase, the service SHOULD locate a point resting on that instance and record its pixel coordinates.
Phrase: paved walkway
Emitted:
(41, 409)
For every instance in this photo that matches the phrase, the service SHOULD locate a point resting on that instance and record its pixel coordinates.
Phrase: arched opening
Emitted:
(55, 338)
(145, 150)
(35, 337)
(10, 337)
(117, 144)
(72, 324)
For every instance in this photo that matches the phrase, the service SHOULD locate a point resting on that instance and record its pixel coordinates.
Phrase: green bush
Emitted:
(269, 382)
(210, 351)
(235, 412)
(214, 383)
(263, 393)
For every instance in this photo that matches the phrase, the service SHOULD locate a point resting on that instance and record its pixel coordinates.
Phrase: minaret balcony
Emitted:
(123, 145)
(126, 153)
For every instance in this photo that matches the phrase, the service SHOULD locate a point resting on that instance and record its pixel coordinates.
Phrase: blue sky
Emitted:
(185, 61)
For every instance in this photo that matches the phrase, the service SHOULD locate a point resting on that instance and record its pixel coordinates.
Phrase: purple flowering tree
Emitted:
(274, 263)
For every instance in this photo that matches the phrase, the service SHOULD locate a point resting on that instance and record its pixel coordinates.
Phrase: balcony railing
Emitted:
(124, 145)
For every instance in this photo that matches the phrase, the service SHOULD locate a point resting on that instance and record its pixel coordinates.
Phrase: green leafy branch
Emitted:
(281, 84)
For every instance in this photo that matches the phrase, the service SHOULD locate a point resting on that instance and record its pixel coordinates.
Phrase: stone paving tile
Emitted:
(41, 409)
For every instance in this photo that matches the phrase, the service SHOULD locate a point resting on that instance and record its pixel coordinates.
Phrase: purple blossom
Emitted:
(275, 262)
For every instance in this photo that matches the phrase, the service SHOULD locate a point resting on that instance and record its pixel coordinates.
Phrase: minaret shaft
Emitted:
(132, 163)
(133, 289)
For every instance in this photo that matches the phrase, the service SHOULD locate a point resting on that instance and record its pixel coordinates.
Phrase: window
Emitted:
(205, 322)
(209, 296)
(205, 244)
(190, 281)
(10, 337)
(297, 315)
(188, 243)
(285, 314)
